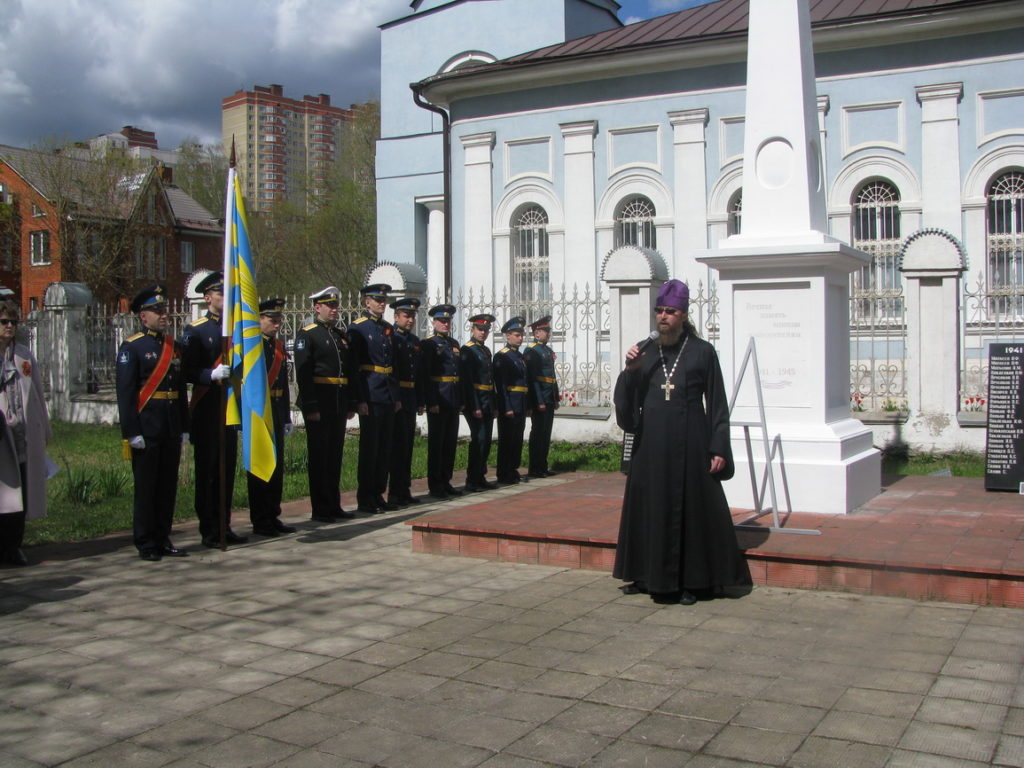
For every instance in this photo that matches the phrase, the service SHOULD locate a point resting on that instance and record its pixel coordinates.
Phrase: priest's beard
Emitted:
(669, 337)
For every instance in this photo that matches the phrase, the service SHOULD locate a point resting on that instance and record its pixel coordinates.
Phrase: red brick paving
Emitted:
(933, 538)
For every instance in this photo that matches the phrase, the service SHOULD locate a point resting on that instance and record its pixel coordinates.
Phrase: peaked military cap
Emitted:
(482, 321)
(150, 297)
(407, 304)
(272, 307)
(328, 295)
(541, 323)
(515, 324)
(376, 290)
(442, 312)
(212, 282)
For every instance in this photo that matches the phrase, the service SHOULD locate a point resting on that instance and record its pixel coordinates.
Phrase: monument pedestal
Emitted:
(792, 298)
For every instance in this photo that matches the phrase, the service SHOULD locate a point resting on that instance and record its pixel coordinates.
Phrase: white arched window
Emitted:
(1005, 242)
(530, 256)
(735, 213)
(876, 231)
(634, 223)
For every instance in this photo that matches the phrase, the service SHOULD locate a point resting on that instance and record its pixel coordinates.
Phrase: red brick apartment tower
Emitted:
(280, 141)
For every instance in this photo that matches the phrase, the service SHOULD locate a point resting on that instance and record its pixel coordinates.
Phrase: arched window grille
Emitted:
(876, 231)
(530, 267)
(634, 223)
(1005, 243)
(735, 214)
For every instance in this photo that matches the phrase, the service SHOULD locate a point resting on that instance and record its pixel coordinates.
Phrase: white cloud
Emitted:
(90, 66)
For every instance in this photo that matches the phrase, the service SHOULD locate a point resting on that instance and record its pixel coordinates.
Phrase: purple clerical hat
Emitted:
(674, 293)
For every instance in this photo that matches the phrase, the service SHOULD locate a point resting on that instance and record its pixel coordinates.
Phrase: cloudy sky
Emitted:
(73, 69)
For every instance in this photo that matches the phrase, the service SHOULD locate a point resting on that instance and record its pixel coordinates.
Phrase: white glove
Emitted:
(220, 372)
(184, 438)
(288, 429)
(137, 442)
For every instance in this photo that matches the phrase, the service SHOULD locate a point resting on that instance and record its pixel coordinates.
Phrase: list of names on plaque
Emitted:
(1004, 444)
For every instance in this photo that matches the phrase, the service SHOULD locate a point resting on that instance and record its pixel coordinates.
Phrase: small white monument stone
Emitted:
(785, 282)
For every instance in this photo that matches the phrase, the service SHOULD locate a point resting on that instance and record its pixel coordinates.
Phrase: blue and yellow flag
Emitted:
(249, 394)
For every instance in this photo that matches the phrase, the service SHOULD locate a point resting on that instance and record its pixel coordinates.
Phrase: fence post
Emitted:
(64, 343)
(633, 275)
(932, 262)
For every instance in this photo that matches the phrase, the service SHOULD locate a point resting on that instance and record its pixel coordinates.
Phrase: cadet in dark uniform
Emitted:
(511, 391)
(202, 360)
(444, 400)
(376, 393)
(322, 374)
(265, 496)
(478, 401)
(543, 400)
(407, 362)
(153, 408)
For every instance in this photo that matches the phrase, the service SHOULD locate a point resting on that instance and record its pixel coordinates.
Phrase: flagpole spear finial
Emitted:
(231, 160)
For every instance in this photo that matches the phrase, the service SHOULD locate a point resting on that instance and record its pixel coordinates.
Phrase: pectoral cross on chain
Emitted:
(668, 386)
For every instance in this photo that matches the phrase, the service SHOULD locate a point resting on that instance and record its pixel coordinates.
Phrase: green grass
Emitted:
(92, 494)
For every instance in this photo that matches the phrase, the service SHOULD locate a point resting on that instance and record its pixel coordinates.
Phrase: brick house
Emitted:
(114, 228)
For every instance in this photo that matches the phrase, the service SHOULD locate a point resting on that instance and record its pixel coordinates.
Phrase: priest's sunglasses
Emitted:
(672, 311)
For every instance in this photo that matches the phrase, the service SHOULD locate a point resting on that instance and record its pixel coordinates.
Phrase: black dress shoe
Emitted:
(536, 475)
(410, 500)
(169, 550)
(322, 517)
(550, 473)
(342, 514)
(687, 598)
(368, 508)
(387, 506)
(233, 538)
(265, 530)
(439, 493)
(474, 488)
(636, 588)
(452, 490)
(281, 527)
(508, 480)
(150, 554)
(398, 501)
(489, 485)
(16, 557)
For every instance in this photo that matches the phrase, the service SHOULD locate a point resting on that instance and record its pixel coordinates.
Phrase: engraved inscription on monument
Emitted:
(776, 317)
(1004, 444)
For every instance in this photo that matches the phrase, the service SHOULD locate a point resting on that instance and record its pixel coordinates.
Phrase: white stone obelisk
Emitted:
(785, 282)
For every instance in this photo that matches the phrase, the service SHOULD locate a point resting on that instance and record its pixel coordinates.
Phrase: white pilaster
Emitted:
(940, 156)
(478, 256)
(580, 259)
(690, 182)
(435, 243)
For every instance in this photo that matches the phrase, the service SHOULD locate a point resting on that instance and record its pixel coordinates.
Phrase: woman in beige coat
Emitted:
(24, 433)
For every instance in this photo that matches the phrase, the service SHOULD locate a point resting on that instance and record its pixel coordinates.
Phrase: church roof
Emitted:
(726, 18)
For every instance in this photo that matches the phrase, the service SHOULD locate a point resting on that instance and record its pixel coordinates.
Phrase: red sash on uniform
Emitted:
(163, 365)
(275, 366)
(198, 390)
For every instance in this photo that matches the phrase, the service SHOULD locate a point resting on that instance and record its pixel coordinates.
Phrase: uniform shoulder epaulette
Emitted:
(200, 321)
(470, 343)
(135, 336)
(503, 350)
(531, 345)
(309, 327)
(431, 336)
(359, 320)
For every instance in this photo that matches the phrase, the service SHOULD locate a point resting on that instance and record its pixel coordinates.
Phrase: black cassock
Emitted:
(676, 531)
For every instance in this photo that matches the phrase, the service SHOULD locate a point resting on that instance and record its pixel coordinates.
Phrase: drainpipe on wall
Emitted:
(446, 130)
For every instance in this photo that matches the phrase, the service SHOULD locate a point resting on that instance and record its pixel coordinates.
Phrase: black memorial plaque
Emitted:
(1004, 443)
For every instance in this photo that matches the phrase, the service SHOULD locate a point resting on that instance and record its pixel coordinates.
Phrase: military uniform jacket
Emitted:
(510, 384)
(165, 415)
(407, 368)
(202, 345)
(440, 371)
(540, 368)
(476, 378)
(322, 361)
(273, 349)
(374, 359)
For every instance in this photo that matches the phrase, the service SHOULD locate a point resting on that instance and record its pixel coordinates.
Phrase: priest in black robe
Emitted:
(676, 537)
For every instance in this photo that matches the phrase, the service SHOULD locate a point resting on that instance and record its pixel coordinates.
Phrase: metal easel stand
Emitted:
(772, 449)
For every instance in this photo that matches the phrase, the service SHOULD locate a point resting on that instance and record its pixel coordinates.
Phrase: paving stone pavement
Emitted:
(338, 646)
